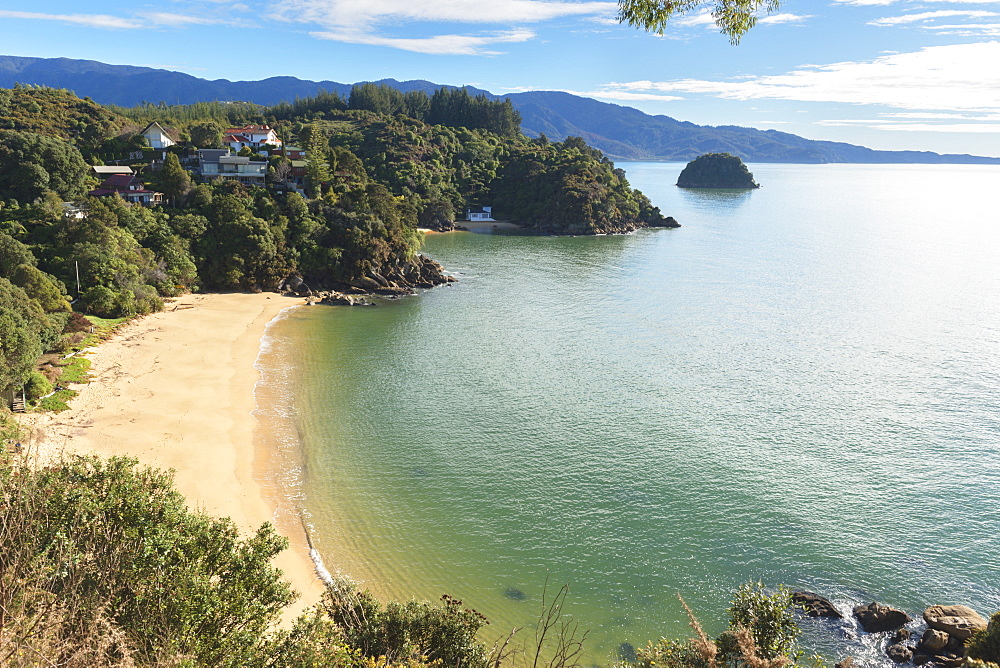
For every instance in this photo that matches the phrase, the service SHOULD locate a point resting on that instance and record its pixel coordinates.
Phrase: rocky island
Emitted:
(716, 170)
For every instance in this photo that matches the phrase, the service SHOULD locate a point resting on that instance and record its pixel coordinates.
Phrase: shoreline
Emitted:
(178, 390)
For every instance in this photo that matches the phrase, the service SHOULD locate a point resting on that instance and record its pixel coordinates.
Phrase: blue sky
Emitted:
(889, 74)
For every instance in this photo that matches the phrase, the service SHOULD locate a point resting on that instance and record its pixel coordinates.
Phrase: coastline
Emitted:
(177, 390)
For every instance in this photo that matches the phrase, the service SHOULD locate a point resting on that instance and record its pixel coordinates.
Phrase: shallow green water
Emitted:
(801, 385)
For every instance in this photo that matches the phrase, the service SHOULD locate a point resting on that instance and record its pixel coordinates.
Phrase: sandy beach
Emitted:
(176, 390)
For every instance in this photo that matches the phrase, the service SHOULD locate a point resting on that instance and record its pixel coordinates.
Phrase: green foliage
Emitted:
(57, 113)
(36, 386)
(769, 619)
(716, 170)
(24, 334)
(41, 287)
(568, 187)
(207, 134)
(12, 254)
(985, 645)
(401, 631)
(119, 551)
(31, 164)
(761, 634)
(668, 653)
(733, 17)
(57, 402)
(174, 179)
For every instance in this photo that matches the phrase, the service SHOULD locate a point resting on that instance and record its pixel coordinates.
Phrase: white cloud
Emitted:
(974, 128)
(361, 21)
(625, 96)
(962, 77)
(91, 20)
(969, 30)
(777, 19)
(702, 18)
(363, 14)
(927, 16)
(148, 20)
(469, 45)
(178, 20)
(865, 3)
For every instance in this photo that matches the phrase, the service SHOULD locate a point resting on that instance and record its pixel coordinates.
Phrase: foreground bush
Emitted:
(985, 645)
(102, 563)
(761, 634)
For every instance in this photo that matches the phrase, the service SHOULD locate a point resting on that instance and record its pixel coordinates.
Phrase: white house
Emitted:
(157, 136)
(251, 136)
(483, 213)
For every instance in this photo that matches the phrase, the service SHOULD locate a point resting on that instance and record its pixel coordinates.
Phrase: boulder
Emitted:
(902, 635)
(899, 653)
(956, 620)
(876, 617)
(846, 662)
(949, 660)
(815, 605)
(920, 659)
(933, 640)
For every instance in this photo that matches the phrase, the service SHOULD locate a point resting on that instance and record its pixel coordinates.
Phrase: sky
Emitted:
(888, 74)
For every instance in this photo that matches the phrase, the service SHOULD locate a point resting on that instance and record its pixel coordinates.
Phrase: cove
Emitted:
(797, 386)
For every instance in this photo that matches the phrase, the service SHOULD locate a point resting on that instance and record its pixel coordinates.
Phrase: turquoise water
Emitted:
(800, 385)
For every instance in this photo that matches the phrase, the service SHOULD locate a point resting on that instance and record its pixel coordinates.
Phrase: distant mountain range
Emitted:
(620, 132)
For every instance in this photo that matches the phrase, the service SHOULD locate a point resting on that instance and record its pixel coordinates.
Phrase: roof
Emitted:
(118, 181)
(236, 137)
(160, 127)
(111, 169)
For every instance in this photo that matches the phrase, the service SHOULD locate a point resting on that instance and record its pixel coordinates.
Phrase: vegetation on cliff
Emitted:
(716, 170)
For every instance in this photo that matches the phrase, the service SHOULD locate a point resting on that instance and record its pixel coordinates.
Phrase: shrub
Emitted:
(105, 547)
(985, 645)
(37, 386)
(77, 323)
(100, 300)
(406, 631)
(765, 619)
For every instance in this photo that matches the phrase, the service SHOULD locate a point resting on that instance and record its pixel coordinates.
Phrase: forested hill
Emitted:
(620, 132)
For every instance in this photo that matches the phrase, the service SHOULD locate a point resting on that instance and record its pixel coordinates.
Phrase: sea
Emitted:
(800, 386)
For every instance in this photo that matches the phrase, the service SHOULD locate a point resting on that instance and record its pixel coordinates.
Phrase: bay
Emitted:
(801, 386)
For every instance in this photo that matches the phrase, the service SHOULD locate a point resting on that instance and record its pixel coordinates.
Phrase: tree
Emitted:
(23, 327)
(32, 163)
(174, 179)
(317, 166)
(206, 135)
(734, 17)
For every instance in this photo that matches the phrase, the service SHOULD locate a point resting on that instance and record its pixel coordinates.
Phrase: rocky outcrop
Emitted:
(668, 221)
(899, 653)
(815, 605)
(716, 170)
(333, 298)
(846, 662)
(876, 617)
(933, 641)
(396, 280)
(958, 621)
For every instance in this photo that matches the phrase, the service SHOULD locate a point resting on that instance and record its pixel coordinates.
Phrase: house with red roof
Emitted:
(251, 136)
(129, 188)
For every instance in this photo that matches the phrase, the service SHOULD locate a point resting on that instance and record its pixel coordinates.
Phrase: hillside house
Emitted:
(253, 137)
(157, 136)
(219, 164)
(129, 189)
(479, 214)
